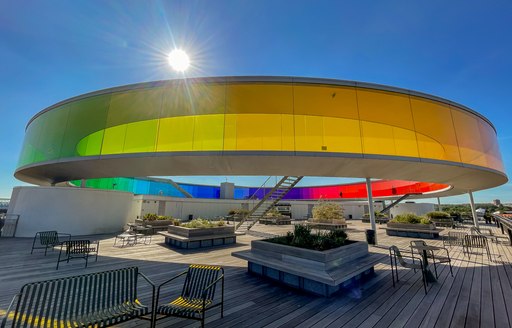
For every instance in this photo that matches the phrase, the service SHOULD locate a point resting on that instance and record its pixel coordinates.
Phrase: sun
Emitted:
(179, 60)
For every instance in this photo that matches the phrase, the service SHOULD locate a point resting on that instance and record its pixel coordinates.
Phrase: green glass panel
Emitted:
(134, 106)
(86, 116)
(54, 128)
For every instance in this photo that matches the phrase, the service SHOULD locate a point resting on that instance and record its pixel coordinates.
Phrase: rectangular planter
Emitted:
(411, 226)
(317, 272)
(200, 232)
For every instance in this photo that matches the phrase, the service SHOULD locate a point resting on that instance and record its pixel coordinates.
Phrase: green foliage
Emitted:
(273, 212)
(437, 215)
(154, 217)
(410, 218)
(150, 216)
(326, 211)
(303, 238)
(238, 211)
(203, 223)
(377, 215)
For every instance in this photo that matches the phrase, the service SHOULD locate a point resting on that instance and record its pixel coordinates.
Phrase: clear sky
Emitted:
(53, 50)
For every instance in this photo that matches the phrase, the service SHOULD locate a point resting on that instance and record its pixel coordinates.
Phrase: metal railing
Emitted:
(8, 225)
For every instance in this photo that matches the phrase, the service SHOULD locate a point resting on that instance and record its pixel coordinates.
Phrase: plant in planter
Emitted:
(410, 218)
(237, 213)
(203, 224)
(328, 212)
(302, 237)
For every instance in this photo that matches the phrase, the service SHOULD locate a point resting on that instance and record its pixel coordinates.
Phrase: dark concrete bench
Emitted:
(98, 299)
(413, 233)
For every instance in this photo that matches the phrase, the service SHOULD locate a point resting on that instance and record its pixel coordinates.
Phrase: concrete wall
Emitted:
(416, 208)
(72, 210)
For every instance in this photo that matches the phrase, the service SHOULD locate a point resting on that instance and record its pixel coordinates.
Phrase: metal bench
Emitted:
(99, 299)
(47, 239)
(197, 295)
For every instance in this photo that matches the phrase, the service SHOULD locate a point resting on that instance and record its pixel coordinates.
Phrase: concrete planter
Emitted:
(317, 272)
(200, 232)
(424, 231)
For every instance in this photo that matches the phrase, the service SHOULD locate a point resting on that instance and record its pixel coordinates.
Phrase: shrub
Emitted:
(238, 211)
(326, 211)
(150, 216)
(410, 218)
(203, 223)
(377, 215)
(273, 212)
(437, 215)
(303, 238)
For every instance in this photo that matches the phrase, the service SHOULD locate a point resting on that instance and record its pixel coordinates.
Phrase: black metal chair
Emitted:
(48, 239)
(476, 241)
(74, 249)
(197, 295)
(394, 254)
(454, 238)
(431, 254)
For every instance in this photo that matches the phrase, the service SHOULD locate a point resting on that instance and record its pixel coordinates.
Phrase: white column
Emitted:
(370, 206)
(472, 203)
(438, 204)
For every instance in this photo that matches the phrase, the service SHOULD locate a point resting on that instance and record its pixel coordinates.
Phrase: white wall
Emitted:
(72, 210)
(416, 208)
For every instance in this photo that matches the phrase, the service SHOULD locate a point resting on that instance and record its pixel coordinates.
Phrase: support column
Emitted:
(473, 211)
(438, 204)
(370, 207)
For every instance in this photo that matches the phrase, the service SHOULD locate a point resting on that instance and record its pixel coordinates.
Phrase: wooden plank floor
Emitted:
(478, 295)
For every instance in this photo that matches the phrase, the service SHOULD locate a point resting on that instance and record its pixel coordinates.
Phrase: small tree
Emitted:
(326, 211)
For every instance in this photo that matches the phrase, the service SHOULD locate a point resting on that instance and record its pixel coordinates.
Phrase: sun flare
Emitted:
(179, 60)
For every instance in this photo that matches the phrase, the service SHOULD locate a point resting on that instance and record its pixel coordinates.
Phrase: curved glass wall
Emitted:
(194, 116)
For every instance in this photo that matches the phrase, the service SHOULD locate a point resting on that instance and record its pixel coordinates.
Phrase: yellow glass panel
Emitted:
(176, 134)
(258, 132)
(113, 141)
(141, 136)
(405, 142)
(287, 132)
(378, 139)
(385, 107)
(254, 98)
(326, 101)
(468, 136)
(230, 132)
(342, 135)
(309, 133)
(434, 127)
(209, 132)
(134, 106)
(184, 98)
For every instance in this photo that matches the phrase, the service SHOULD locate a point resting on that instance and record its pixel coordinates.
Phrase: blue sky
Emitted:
(53, 50)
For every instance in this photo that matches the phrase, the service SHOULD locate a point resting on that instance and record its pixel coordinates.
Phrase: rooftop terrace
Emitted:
(479, 294)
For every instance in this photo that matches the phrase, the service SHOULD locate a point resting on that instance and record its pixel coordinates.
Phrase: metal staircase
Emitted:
(267, 203)
(390, 206)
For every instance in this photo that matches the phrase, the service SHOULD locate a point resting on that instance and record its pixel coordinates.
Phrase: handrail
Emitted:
(262, 186)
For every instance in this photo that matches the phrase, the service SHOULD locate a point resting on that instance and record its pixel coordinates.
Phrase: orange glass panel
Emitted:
(385, 107)
(326, 101)
(434, 127)
(468, 137)
(255, 98)
(490, 146)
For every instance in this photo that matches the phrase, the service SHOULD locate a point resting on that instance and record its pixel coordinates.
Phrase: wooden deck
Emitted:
(479, 294)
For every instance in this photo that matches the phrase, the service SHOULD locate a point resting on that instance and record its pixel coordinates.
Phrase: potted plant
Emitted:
(441, 219)
(411, 221)
(201, 227)
(327, 215)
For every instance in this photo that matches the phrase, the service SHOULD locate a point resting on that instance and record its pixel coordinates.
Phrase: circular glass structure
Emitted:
(262, 126)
